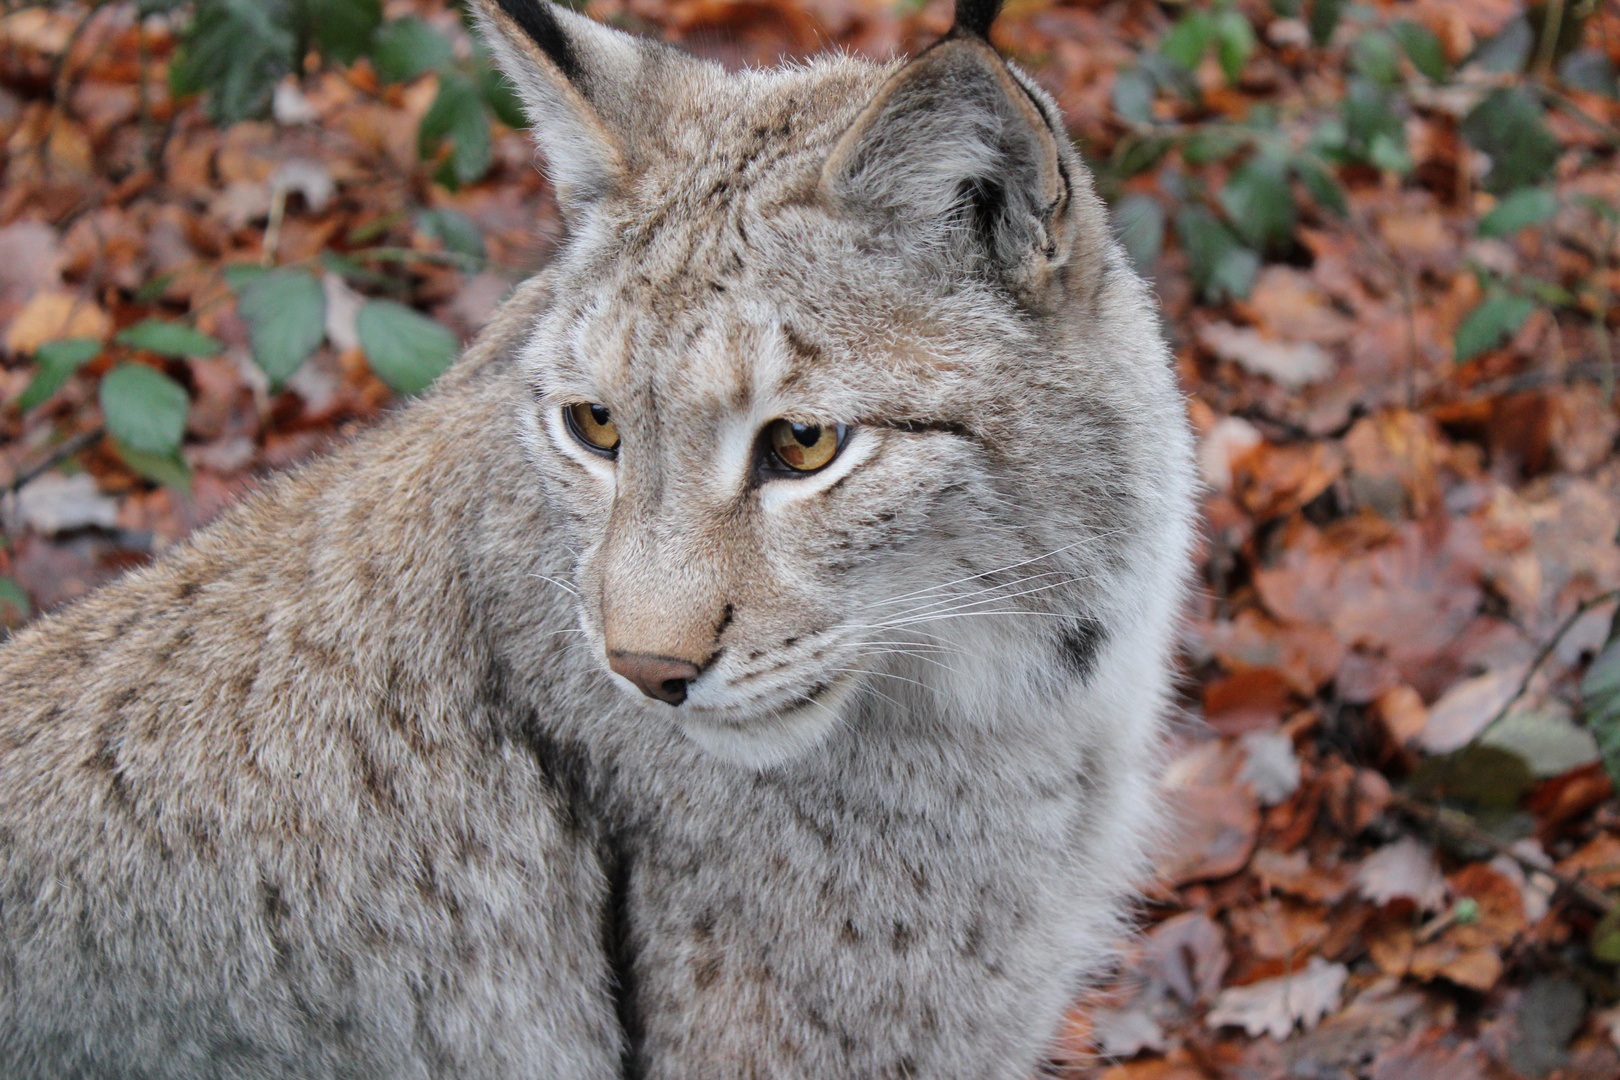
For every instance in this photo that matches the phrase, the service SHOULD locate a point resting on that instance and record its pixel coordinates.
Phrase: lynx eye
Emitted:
(803, 448)
(592, 425)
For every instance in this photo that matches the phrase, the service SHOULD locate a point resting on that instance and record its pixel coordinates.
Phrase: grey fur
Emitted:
(343, 786)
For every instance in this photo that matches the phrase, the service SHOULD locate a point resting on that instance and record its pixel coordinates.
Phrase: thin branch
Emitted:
(82, 441)
(1541, 657)
(1460, 826)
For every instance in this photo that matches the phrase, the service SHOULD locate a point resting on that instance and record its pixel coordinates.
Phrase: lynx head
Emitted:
(840, 388)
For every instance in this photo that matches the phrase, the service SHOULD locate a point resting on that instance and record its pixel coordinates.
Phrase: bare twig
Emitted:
(1541, 657)
(1459, 826)
(82, 441)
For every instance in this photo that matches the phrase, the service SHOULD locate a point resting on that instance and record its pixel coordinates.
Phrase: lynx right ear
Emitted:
(959, 146)
(578, 81)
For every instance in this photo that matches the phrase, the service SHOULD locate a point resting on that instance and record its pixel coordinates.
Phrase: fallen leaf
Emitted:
(54, 314)
(1402, 713)
(1405, 870)
(1187, 955)
(1291, 364)
(1276, 1006)
(1466, 708)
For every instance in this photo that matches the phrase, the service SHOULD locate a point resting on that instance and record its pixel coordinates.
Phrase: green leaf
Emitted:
(1259, 202)
(1188, 40)
(1140, 221)
(1133, 96)
(1589, 70)
(235, 51)
(145, 410)
(1520, 210)
(503, 100)
(1204, 145)
(1133, 155)
(407, 48)
(1547, 739)
(1600, 698)
(1422, 48)
(1373, 132)
(240, 275)
(1221, 266)
(169, 339)
(455, 230)
(168, 469)
(1509, 50)
(457, 114)
(14, 606)
(286, 316)
(1507, 124)
(1490, 324)
(1477, 775)
(1234, 42)
(1375, 55)
(1605, 939)
(405, 348)
(343, 28)
(1324, 20)
(1321, 183)
(56, 362)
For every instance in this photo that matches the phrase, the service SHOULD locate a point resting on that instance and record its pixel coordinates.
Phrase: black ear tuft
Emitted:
(538, 20)
(973, 17)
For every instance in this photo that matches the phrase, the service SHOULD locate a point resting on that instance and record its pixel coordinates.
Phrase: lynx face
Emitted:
(809, 364)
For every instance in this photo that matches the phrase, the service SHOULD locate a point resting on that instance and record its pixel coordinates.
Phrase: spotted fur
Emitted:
(345, 786)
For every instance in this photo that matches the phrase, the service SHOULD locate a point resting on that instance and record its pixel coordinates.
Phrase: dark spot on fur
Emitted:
(618, 942)
(726, 618)
(201, 835)
(1079, 642)
(187, 589)
(706, 972)
(901, 937)
(123, 698)
(703, 926)
(376, 782)
(849, 935)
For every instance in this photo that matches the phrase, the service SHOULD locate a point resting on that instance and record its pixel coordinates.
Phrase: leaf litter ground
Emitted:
(1395, 848)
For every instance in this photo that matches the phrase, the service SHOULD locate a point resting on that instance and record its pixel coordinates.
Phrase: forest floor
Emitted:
(1398, 849)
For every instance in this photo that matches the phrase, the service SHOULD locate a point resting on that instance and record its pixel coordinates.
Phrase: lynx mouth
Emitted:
(763, 740)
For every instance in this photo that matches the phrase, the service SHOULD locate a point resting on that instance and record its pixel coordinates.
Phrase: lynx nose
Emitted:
(661, 677)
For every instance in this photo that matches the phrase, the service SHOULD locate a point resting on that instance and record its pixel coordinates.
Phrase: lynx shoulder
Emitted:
(748, 661)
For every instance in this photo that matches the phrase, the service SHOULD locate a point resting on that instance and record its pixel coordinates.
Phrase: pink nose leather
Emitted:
(660, 677)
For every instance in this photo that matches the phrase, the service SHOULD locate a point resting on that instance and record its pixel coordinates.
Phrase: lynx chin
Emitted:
(747, 662)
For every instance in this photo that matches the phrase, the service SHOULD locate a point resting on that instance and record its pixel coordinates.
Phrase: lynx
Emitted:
(748, 661)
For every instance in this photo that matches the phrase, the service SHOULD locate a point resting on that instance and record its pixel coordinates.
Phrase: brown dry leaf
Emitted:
(1187, 954)
(1477, 968)
(1290, 364)
(1408, 595)
(1280, 929)
(1402, 713)
(1275, 480)
(1251, 700)
(1214, 830)
(1294, 874)
(1391, 940)
(1597, 864)
(1464, 710)
(1291, 306)
(1435, 1054)
(52, 315)
(1178, 1066)
(1404, 870)
(1276, 1006)
(1394, 461)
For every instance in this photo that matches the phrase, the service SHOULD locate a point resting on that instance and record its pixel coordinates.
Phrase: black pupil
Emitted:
(806, 434)
(599, 413)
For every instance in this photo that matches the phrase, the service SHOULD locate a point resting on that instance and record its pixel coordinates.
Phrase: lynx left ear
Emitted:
(958, 141)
